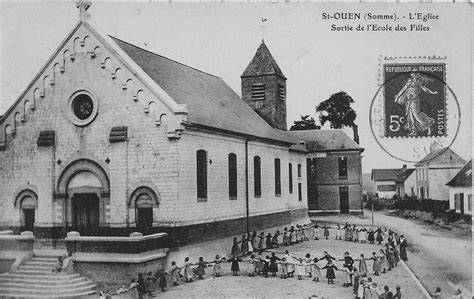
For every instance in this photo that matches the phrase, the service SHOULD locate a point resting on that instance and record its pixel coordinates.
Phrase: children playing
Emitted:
(330, 274)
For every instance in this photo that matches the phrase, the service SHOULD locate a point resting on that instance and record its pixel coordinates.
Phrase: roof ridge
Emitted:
(151, 52)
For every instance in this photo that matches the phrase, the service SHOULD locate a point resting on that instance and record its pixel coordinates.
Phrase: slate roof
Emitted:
(441, 157)
(404, 174)
(263, 64)
(325, 140)
(463, 178)
(388, 174)
(210, 101)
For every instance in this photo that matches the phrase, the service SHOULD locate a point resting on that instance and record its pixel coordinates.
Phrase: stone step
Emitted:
(46, 282)
(21, 291)
(42, 276)
(77, 295)
(41, 263)
(40, 285)
(43, 268)
(45, 259)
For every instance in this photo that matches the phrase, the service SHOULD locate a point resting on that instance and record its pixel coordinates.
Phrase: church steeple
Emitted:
(264, 88)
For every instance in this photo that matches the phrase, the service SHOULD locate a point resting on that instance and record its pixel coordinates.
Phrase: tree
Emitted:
(337, 111)
(306, 123)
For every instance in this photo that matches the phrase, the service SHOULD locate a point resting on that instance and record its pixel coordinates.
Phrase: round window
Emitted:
(82, 108)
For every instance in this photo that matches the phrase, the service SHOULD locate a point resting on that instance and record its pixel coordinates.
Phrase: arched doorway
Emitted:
(27, 202)
(85, 187)
(145, 201)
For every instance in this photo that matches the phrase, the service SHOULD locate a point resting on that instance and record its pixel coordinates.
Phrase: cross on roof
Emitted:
(83, 6)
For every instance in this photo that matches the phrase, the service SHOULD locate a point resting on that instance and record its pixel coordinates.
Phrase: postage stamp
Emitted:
(414, 99)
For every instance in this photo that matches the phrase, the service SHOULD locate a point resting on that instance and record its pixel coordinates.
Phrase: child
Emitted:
(390, 258)
(316, 232)
(362, 264)
(316, 270)
(330, 275)
(200, 271)
(188, 272)
(252, 266)
(249, 244)
(290, 266)
(304, 233)
(326, 231)
(338, 233)
(235, 265)
(363, 235)
(371, 237)
(327, 256)
(261, 242)
(254, 241)
(379, 237)
(235, 247)
(308, 268)
(376, 265)
(162, 280)
(273, 264)
(299, 269)
(283, 268)
(356, 234)
(292, 235)
(268, 242)
(398, 293)
(174, 273)
(244, 247)
(383, 261)
(286, 239)
(275, 242)
(266, 266)
(260, 263)
(217, 269)
(346, 276)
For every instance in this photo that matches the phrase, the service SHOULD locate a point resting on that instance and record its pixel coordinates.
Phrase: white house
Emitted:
(460, 190)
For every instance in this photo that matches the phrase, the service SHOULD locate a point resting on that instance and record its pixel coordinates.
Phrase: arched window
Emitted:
(257, 178)
(201, 172)
(232, 176)
(277, 178)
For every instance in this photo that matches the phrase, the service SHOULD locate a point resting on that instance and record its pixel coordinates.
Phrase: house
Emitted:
(385, 182)
(434, 170)
(405, 183)
(334, 171)
(460, 190)
(110, 138)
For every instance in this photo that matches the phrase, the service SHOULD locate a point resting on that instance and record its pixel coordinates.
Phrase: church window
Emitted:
(281, 92)
(300, 194)
(257, 176)
(232, 176)
(277, 178)
(290, 178)
(83, 107)
(201, 169)
(342, 163)
(258, 92)
(299, 171)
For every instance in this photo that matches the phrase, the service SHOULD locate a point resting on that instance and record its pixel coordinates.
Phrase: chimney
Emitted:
(355, 129)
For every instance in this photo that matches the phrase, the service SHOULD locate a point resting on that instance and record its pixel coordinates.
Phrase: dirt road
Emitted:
(436, 256)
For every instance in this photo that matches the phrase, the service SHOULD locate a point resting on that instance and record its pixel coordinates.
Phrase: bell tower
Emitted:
(264, 88)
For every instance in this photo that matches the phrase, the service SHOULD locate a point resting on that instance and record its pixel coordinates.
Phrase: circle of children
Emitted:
(289, 265)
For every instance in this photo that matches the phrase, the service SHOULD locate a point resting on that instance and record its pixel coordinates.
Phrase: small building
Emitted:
(406, 183)
(460, 190)
(385, 182)
(434, 170)
(334, 171)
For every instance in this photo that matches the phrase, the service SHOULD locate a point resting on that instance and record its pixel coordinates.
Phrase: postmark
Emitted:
(414, 109)
(414, 96)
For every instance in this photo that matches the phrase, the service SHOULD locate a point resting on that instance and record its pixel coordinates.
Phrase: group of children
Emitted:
(249, 251)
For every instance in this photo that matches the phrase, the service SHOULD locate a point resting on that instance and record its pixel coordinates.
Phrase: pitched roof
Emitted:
(210, 101)
(404, 174)
(443, 156)
(263, 64)
(324, 140)
(388, 174)
(463, 178)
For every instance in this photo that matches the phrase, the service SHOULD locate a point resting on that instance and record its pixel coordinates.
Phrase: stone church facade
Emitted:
(110, 138)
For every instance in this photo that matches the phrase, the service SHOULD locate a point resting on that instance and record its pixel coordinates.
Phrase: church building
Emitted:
(110, 138)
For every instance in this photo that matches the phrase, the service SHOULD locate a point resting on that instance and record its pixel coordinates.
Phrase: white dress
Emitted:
(299, 269)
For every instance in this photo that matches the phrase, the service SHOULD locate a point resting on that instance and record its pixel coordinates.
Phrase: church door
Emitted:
(85, 209)
(344, 200)
(29, 216)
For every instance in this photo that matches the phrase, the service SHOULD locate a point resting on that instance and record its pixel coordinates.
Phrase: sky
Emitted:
(221, 39)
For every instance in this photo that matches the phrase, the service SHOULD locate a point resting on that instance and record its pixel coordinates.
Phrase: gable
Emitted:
(86, 45)
(443, 158)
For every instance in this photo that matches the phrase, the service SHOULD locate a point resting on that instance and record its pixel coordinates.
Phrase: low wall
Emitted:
(15, 249)
(112, 261)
